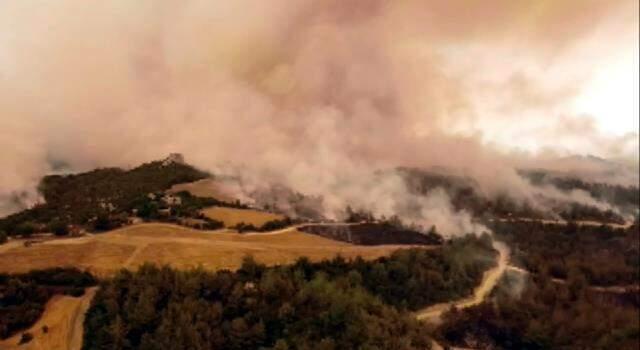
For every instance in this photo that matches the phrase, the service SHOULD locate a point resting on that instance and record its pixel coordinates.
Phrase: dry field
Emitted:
(206, 188)
(64, 316)
(233, 216)
(179, 247)
(131, 246)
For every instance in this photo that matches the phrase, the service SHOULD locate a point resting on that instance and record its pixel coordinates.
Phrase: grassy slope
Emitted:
(178, 246)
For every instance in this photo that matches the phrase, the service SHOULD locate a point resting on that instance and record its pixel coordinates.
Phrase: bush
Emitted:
(3, 237)
(76, 292)
(244, 227)
(59, 228)
(25, 338)
(275, 224)
(106, 222)
(25, 229)
(211, 224)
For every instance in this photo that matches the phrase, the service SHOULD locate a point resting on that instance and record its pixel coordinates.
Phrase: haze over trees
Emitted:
(465, 195)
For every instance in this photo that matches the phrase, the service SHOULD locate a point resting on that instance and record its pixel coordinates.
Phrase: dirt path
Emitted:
(76, 332)
(296, 227)
(64, 318)
(489, 280)
(129, 262)
(276, 232)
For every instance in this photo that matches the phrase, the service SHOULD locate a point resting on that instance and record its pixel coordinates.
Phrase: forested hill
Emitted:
(79, 198)
(622, 196)
(464, 195)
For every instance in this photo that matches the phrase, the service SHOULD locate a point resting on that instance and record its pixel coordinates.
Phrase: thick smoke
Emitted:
(317, 95)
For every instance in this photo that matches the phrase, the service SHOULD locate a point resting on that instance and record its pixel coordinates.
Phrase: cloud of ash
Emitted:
(314, 95)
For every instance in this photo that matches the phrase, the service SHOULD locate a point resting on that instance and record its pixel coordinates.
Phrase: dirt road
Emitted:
(75, 335)
(64, 320)
(489, 280)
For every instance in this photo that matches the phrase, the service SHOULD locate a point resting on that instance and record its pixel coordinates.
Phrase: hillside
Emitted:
(102, 198)
(178, 246)
(465, 195)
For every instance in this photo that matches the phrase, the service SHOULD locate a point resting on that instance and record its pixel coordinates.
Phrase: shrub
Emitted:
(275, 224)
(25, 229)
(212, 224)
(25, 338)
(76, 292)
(244, 227)
(59, 228)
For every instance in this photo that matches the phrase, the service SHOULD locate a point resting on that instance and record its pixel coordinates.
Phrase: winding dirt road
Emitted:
(490, 279)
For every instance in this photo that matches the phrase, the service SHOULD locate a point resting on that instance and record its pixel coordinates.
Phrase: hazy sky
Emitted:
(312, 90)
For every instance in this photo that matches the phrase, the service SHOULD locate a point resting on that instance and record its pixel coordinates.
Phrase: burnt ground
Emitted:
(372, 234)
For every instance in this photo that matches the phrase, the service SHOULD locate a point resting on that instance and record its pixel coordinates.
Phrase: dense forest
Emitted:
(538, 313)
(334, 304)
(23, 296)
(560, 304)
(602, 254)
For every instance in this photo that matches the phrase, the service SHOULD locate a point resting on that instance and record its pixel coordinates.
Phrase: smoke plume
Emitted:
(317, 95)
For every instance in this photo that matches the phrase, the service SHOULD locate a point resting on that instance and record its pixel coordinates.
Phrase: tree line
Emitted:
(333, 304)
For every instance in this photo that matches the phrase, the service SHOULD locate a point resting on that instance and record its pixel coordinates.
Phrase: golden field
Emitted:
(205, 188)
(129, 247)
(177, 246)
(233, 216)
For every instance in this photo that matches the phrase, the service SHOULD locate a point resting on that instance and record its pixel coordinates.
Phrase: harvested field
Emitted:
(64, 318)
(233, 216)
(180, 247)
